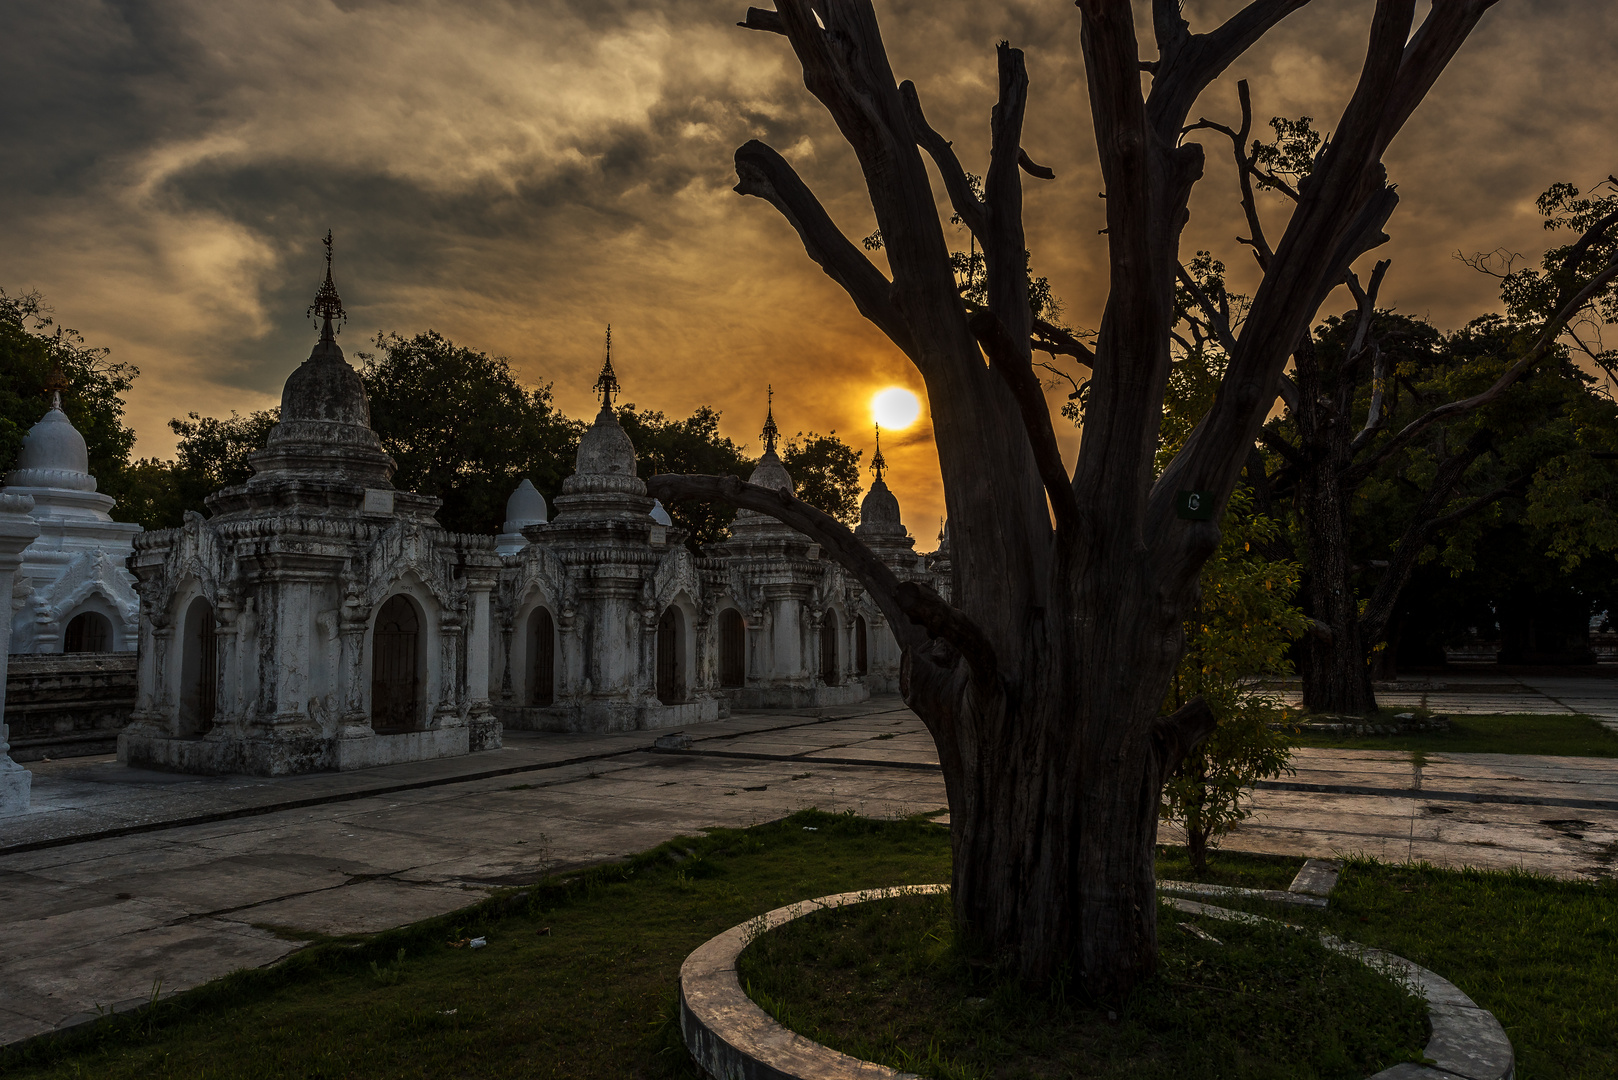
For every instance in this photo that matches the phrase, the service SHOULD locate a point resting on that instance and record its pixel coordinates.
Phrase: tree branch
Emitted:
(762, 19)
(914, 612)
(1216, 318)
(967, 205)
(1427, 520)
(1015, 368)
(1552, 330)
(1059, 341)
(1176, 734)
(1245, 171)
(1195, 60)
(1005, 249)
(1366, 299)
(765, 174)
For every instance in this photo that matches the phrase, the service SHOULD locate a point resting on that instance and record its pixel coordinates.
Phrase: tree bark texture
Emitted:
(1043, 681)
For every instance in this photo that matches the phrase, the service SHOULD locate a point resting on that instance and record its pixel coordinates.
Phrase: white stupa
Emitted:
(74, 592)
(525, 507)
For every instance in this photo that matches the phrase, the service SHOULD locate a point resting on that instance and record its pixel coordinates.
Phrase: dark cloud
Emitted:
(517, 174)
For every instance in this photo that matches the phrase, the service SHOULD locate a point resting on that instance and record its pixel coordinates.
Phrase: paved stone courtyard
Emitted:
(121, 880)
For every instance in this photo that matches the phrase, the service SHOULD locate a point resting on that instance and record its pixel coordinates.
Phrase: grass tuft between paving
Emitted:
(1560, 735)
(578, 977)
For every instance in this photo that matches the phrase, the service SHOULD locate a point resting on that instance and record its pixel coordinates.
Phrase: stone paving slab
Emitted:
(99, 920)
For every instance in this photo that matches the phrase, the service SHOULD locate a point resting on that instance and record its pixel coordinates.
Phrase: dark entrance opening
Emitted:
(396, 698)
(199, 669)
(732, 649)
(88, 631)
(862, 649)
(670, 657)
(542, 658)
(828, 651)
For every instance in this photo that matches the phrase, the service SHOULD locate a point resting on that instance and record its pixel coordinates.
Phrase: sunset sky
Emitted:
(519, 174)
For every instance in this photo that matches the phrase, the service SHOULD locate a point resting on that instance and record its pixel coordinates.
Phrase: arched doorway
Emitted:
(541, 658)
(732, 649)
(199, 669)
(829, 673)
(671, 656)
(396, 691)
(862, 648)
(88, 631)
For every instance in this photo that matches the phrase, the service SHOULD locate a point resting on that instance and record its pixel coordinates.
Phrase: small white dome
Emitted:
(660, 515)
(525, 507)
(53, 455)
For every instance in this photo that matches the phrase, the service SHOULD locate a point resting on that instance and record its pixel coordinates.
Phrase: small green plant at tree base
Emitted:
(1239, 632)
(388, 975)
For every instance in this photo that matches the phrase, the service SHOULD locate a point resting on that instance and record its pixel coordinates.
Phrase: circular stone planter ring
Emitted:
(731, 1038)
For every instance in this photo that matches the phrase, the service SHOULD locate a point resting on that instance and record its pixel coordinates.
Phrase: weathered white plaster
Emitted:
(278, 593)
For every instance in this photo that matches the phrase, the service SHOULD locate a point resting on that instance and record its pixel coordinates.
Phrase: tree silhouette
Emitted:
(1042, 682)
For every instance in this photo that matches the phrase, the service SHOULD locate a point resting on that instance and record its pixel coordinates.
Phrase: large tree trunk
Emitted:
(1336, 675)
(1054, 798)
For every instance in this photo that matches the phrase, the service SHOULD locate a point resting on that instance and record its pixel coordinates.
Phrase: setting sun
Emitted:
(895, 407)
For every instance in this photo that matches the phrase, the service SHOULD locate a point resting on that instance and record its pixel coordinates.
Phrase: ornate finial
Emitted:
(56, 384)
(940, 530)
(328, 305)
(607, 384)
(771, 433)
(878, 462)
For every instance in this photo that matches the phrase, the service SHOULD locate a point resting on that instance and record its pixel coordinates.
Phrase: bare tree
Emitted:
(1043, 682)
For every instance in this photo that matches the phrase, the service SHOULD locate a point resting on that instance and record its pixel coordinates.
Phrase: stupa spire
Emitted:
(878, 462)
(607, 384)
(771, 433)
(328, 306)
(56, 384)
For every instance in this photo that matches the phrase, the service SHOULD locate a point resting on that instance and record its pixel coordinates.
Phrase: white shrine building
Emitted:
(73, 592)
(320, 619)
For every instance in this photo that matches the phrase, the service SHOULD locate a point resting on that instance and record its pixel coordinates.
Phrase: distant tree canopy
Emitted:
(32, 347)
(457, 421)
(463, 429)
(213, 453)
(826, 471)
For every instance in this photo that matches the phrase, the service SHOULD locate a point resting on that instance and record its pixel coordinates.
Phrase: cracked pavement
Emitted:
(121, 883)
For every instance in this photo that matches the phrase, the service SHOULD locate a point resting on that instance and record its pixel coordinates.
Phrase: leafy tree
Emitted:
(1382, 409)
(1042, 679)
(34, 350)
(690, 445)
(826, 471)
(213, 453)
(151, 495)
(463, 429)
(1240, 630)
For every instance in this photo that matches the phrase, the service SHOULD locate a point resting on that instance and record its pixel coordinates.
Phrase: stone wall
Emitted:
(68, 705)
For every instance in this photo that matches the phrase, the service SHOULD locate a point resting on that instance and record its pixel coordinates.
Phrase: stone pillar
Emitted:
(484, 733)
(17, 531)
(477, 649)
(450, 627)
(226, 629)
(351, 627)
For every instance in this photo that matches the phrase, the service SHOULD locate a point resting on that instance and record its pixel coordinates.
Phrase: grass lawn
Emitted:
(594, 996)
(884, 981)
(1569, 735)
